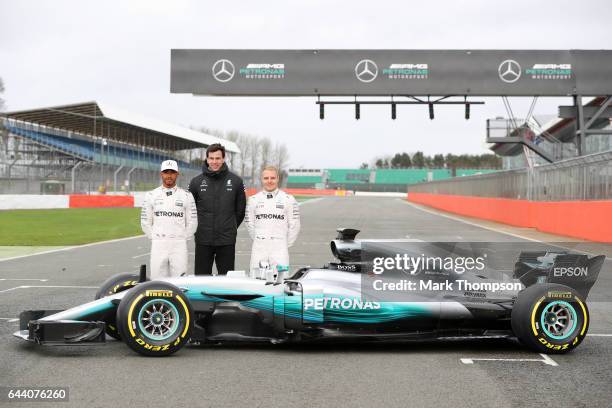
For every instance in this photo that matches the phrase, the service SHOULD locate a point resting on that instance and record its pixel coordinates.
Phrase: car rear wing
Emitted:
(577, 271)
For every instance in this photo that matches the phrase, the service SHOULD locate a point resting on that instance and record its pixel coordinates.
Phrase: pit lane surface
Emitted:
(412, 374)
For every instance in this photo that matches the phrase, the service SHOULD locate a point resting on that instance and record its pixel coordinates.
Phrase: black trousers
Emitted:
(222, 255)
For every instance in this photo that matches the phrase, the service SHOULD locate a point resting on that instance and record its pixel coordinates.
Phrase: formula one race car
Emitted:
(543, 304)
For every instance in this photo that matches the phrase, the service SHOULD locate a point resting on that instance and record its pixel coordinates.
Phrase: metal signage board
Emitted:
(391, 72)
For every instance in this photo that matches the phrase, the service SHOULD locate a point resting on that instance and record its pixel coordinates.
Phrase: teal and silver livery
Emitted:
(157, 318)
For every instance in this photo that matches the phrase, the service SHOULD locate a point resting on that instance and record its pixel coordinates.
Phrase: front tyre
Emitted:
(115, 284)
(550, 318)
(155, 319)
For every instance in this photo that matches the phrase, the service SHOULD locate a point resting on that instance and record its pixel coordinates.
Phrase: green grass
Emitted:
(70, 226)
(300, 198)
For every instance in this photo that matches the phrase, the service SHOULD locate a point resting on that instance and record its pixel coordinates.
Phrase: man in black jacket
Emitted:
(221, 201)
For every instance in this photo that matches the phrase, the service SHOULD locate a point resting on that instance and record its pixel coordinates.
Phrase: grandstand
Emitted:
(390, 180)
(549, 138)
(92, 147)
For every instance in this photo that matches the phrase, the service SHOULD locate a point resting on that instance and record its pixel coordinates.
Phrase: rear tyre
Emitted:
(115, 284)
(550, 318)
(155, 319)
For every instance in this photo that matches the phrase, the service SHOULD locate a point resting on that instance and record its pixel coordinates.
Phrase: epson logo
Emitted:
(570, 271)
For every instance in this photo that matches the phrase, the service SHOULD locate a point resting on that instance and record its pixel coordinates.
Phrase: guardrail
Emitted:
(582, 178)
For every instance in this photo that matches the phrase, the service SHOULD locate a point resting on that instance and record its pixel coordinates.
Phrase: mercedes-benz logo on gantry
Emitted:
(366, 70)
(223, 70)
(509, 71)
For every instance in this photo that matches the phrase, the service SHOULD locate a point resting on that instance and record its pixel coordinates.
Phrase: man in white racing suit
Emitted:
(273, 220)
(169, 219)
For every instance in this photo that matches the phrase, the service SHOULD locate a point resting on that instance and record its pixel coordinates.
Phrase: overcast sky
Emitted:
(118, 52)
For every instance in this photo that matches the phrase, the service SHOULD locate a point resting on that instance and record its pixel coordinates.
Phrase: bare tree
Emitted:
(254, 156)
(3, 132)
(233, 136)
(265, 149)
(239, 161)
(1, 92)
(201, 153)
(255, 153)
(281, 156)
(245, 155)
(211, 131)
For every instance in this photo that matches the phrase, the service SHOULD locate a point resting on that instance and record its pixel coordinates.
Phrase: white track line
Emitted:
(141, 255)
(23, 279)
(9, 319)
(599, 335)
(545, 359)
(311, 200)
(60, 287)
(438, 213)
(72, 247)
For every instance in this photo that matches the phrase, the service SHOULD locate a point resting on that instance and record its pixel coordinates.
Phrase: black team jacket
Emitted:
(220, 198)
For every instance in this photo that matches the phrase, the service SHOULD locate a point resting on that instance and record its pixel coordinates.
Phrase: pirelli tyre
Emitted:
(550, 318)
(155, 319)
(115, 284)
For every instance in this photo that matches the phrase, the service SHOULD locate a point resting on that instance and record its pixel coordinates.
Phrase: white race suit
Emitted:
(168, 219)
(273, 221)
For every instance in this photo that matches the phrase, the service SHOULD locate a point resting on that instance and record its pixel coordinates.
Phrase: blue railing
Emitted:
(113, 155)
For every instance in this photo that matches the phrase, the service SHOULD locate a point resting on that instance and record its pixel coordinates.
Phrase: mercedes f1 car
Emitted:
(545, 309)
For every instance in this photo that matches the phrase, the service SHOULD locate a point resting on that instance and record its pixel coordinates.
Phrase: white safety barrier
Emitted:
(139, 198)
(32, 201)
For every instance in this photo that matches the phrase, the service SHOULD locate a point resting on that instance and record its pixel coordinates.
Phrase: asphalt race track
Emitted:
(369, 375)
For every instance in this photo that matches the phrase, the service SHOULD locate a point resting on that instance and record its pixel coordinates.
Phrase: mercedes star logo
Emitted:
(366, 70)
(509, 71)
(223, 70)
